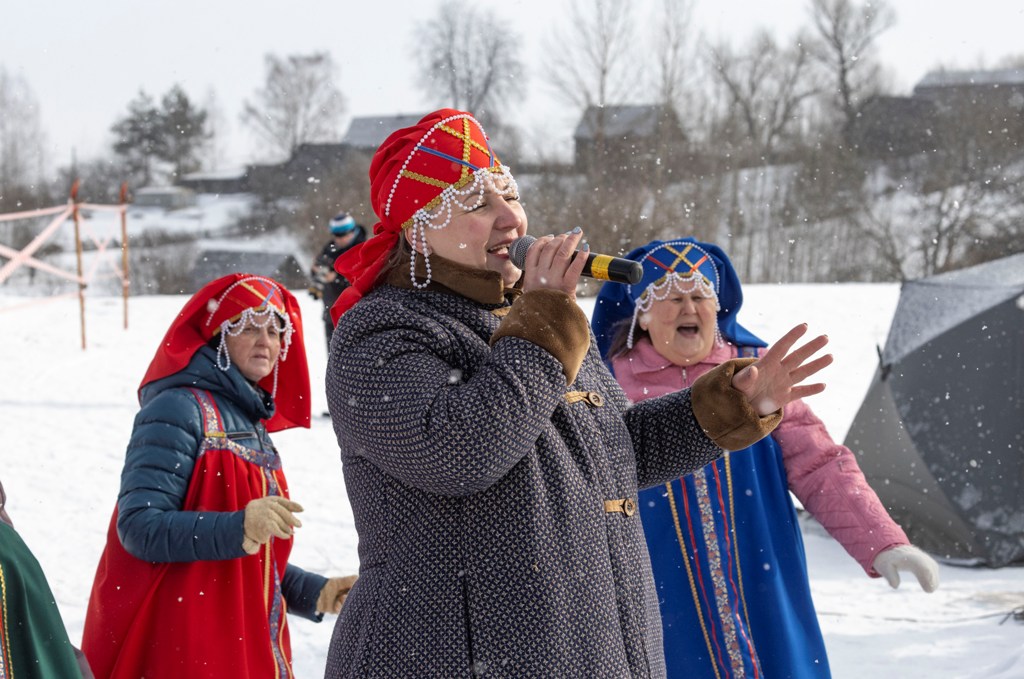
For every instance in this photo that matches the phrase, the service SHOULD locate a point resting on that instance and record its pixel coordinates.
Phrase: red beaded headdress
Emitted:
(228, 303)
(415, 176)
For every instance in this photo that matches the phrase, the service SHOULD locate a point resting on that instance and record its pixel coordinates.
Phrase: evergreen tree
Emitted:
(149, 135)
(183, 127)
(140, 138)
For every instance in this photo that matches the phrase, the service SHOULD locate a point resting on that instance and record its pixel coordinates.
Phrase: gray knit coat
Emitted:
(479, 491)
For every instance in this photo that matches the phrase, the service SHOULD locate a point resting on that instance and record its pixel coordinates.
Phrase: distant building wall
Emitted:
(167, 197)
(637, 137)
(284, 268)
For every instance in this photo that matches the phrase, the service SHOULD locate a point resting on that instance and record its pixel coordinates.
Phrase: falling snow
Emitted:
(61, 490)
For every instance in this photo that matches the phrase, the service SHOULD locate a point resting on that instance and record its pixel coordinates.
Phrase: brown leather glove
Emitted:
(268, 517)
(333, 594)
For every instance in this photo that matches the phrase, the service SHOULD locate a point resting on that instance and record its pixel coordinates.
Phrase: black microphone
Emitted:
(599, 267)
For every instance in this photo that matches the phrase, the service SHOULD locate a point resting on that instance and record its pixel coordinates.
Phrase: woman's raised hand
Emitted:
(550, 264)
(775, 379)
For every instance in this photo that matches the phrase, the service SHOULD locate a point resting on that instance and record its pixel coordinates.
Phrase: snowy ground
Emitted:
(67, 414)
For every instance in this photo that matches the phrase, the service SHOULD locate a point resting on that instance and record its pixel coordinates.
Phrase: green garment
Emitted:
(33, 640)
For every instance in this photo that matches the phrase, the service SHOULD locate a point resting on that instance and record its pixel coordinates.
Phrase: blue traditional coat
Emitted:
(729, 564)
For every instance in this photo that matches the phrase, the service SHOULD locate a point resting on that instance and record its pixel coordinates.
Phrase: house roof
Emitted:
(885, 107)
(223, 173)
(634, 120)
(162, 191)
(369, 132)
(1006, 76)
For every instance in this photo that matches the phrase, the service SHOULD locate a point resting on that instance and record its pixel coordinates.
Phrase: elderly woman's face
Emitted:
(682, 326)
(478, 235)
(255, 349)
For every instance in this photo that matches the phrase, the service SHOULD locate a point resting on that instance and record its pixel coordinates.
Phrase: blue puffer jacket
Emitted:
(158, 466)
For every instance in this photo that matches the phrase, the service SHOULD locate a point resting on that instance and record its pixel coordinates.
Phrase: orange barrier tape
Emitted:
(102, 208)
(43, 266)
(10, 216)
(36, 301)
(26, 253)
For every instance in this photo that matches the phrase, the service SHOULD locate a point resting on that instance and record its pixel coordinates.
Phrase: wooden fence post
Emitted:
(78, 256)
(126, 281)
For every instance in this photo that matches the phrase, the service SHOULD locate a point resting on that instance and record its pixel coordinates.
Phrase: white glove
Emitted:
(891, 561)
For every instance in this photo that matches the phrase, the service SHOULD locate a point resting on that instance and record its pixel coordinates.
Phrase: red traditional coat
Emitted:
(197, 618)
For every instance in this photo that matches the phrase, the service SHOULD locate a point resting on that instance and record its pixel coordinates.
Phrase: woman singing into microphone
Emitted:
(491, 461)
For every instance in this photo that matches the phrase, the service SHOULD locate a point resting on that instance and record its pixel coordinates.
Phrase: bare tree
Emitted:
(1011, 61)
(473, 60)
(766, 87)
(591, 56)
(299, 102)
(345, 189)
(673, 50)
(212, 152)
(99, 179)
(846, 33)
(936, 217)
(930, 235)
(21, 142)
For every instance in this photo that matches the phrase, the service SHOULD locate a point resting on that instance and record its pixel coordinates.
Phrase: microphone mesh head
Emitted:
(517, 250)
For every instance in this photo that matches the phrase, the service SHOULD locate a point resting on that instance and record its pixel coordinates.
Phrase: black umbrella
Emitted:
(940, 435)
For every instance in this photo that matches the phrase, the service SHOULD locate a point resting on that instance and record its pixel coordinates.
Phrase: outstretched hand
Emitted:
(775, 379)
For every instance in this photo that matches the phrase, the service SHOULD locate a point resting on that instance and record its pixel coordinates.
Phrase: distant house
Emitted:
(629, 137)
(166, 197)
(220, 182)
(1002, 89)
(894, 127)
(310, 163)
(367, 133)
(313, 160)
(965, 110)
(211, 264)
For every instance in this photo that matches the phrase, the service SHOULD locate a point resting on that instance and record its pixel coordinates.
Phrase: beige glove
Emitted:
(891, 561)
(332, 596)
(268, 517)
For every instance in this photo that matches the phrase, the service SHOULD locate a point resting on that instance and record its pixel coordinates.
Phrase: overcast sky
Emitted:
(86, 60)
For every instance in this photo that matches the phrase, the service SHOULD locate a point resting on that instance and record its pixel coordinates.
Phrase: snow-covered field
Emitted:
(67, 414)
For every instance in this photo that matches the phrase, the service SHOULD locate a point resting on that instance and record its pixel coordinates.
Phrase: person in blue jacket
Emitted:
(194, 580)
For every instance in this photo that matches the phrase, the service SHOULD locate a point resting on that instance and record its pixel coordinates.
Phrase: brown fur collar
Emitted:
(479, 285)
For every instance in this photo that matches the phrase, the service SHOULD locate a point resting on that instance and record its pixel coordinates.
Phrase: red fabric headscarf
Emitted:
(409, 172)
(201, 318)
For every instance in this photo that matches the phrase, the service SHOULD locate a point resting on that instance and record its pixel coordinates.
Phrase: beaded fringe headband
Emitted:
(684, 275)
(269, 309)
(473, 179)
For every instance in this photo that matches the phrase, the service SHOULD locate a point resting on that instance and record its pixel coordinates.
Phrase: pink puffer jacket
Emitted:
(822, 474)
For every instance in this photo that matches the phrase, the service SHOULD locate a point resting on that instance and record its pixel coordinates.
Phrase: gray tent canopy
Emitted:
(940, 434)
